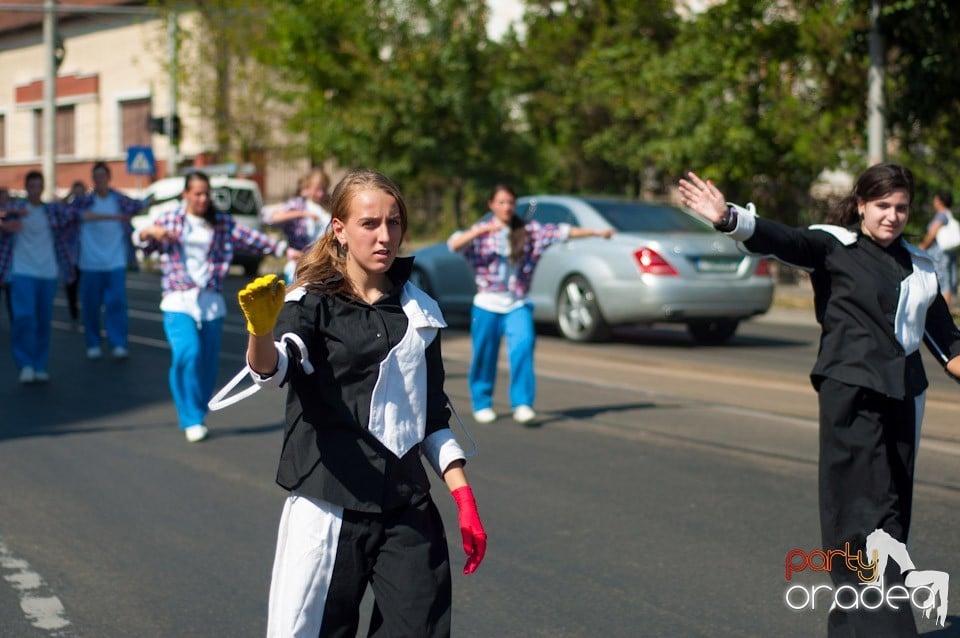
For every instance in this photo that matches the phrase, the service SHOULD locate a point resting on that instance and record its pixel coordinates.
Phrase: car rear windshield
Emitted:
(236, 201)
(636, 217)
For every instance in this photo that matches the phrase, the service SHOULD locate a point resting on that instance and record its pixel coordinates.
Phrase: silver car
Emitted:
(661, 265)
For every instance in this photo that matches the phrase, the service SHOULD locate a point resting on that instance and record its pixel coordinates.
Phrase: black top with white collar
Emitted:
(875, 305)
(328, 452)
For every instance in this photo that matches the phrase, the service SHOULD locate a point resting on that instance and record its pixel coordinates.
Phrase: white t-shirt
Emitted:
(199, 303)
(33, 251)
(103, 242)
(502, 302)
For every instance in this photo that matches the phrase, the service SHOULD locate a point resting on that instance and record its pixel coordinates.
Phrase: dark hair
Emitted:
(876, 182)
(210, 215)
(32, 175)
(325, 258)
(945, 197)
(100, 165)
(518, 228)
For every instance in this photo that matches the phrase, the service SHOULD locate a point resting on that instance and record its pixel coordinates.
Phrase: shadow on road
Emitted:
(586, 412)
(677, 336)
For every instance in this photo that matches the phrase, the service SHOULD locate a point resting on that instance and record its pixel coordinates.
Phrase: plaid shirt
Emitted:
(298, 231)
(227, 236)
(128, 208)
(63, 224)
(488, 256)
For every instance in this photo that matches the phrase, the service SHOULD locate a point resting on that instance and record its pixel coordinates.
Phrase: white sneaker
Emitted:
(195, 433)
(119, 352)
(486, 415)
(27, 375)
(94, 352)
(42, 377)
(524, 414)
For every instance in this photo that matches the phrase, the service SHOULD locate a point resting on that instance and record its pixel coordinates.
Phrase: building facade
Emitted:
(112, 80)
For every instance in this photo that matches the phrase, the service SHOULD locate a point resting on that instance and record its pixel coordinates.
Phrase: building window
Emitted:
(66, 134)
(134, 117)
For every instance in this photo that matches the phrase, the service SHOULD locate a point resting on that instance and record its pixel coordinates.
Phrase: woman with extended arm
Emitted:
(503, 252)
(876, 299)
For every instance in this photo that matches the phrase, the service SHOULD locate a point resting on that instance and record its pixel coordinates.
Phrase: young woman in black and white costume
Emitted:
(360, 355)
(876, 298)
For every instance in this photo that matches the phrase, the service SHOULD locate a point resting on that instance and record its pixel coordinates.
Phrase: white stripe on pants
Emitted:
(303, 566)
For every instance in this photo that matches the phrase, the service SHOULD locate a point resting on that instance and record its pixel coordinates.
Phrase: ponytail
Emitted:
(845, 213)
(319, 266)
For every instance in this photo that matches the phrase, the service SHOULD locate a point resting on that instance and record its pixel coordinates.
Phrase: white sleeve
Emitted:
(273, 380)
(746, 222)
(441, 449)
(450, 240)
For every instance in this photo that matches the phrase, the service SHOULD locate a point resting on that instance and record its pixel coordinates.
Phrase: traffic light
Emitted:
(158, 126)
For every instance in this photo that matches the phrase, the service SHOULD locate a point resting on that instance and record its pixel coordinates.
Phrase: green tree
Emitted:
(407, 87)
(923, 89)
(761, 96)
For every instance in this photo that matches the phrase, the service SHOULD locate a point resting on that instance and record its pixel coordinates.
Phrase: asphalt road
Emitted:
(657, 495)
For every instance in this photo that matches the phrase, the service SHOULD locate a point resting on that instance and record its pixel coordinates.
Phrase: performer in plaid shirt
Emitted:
(196, 243)
(303, 218)
(34, 254)
(503, 252)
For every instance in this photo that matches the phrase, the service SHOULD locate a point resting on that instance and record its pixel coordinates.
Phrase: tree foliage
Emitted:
(611, 96)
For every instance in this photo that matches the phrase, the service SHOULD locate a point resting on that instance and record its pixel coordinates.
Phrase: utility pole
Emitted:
(876, 125)
(173, 137)
(50, 99)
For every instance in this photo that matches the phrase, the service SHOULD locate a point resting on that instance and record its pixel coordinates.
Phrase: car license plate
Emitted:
(717, 264)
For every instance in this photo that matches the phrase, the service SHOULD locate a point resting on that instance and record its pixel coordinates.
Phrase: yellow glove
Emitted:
(261, 301)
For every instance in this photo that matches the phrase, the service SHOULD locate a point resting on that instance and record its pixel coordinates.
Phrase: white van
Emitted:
(240, 197)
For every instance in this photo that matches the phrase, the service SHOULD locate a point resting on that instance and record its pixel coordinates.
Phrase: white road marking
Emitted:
(39, 604)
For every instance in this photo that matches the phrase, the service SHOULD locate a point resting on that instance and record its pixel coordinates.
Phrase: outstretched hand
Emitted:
(703, 198)
(261, 301)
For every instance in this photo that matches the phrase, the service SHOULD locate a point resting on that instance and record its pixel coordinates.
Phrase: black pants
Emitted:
(867, 450)
(326, 557)
(71, 293)
(5, 291)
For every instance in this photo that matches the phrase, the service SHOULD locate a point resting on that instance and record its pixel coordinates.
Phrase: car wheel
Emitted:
(578, 314)
(419, 279)
(712, 332)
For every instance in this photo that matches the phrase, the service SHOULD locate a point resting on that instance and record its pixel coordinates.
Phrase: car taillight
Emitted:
(651, 263)
(763, 268)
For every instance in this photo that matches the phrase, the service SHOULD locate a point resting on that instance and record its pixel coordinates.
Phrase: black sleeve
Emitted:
(438, 416)
(941, 334)
(801, 247)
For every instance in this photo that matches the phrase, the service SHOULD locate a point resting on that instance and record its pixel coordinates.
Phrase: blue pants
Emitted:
(486, 330)
(31, 302)
(107, 289)
(193, 370)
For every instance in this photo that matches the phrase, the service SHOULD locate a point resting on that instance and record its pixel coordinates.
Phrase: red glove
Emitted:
(474, 538)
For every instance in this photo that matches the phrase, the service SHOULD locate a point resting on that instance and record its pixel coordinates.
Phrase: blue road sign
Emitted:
(140, 160)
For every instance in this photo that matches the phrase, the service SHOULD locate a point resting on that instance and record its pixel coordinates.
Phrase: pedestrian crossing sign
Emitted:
(140, 160)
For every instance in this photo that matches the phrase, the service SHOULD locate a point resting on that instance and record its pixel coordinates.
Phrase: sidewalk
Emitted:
(792, 304)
